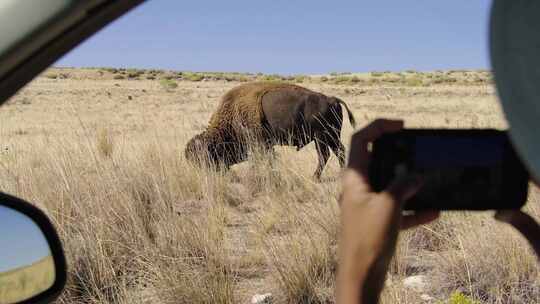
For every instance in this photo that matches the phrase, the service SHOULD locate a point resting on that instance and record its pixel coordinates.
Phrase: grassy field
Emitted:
(25, 282)
(101, 150)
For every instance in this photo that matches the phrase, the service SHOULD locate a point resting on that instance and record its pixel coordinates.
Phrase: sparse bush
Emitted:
(414, 81)
(168, 84)
(193, 76)
(118, 77)
(376, 74)
(374, 81)
(354, 79)
(391, 79)
(437, 80)
(324, 79)
(340, 79)
(300, 78)
(51, 76)
(134, 74)
(236, 77)
(273, 77)
(111, 70)
(168, 77)
(459, 298)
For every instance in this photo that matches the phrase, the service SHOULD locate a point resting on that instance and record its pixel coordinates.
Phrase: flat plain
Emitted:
(101, 151)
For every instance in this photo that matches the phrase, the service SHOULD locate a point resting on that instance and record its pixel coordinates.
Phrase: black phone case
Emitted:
(515, 176)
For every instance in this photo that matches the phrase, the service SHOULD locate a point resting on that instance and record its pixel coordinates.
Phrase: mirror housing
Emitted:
(19, 211)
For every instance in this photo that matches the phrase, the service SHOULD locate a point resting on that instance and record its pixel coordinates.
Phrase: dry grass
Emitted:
(140, 225)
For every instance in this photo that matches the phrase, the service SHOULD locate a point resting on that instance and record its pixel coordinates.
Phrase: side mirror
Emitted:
(32, 262)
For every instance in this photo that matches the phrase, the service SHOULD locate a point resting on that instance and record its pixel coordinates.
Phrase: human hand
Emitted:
(525, 224)
(371, 221)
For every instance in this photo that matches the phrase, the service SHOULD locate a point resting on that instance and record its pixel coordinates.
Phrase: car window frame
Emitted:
(44, 47)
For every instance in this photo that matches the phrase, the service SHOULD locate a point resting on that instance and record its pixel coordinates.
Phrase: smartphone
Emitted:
(461, 169)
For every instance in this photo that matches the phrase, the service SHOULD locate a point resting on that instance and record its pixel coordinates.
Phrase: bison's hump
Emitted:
(241, 107)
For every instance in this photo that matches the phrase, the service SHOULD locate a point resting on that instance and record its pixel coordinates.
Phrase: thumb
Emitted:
(405, 187)
(524, 223)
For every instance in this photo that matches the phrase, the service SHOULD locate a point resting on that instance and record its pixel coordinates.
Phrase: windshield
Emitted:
(19, 18)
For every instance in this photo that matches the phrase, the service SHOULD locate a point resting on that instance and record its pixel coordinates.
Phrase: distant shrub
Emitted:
(391, 79)
(345, 80)
(459, 298)
(273, 77)
(354, 79)
(341, 79)
(151, 77)
(374, 81)
(242, 78)
(168, 84)
(111, 70)
(376, 74)
(414, 81)
(229, 77)
(411, 71)
(334, 73)
(300, 78)
(133, 73)
(437, 80)
(119, 77)
(193, 76)
(51, 76)
(324, 79)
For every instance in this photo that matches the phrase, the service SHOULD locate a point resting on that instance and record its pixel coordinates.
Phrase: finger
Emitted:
(359, 154)
(420, 218)
(404, 188)
(524, 223)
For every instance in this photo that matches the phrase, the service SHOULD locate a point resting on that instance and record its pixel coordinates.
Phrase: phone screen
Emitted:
(459, 171)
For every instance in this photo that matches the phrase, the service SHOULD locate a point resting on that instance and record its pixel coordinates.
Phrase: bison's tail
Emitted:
(349, 113)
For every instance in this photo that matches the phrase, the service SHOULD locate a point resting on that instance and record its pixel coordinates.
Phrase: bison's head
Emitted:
(213, 152)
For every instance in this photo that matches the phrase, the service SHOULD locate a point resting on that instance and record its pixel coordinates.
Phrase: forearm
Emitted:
(361, 283)
(348, 288)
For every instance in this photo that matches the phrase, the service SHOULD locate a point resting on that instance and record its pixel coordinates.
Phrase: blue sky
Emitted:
(22, 242)
(289, 37)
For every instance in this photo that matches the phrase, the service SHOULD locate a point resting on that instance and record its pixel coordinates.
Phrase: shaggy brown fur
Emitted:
(240, 119)
(241, 107)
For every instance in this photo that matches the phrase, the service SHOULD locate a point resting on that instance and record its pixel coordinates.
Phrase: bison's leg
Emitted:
(324, 154)
(338, 149)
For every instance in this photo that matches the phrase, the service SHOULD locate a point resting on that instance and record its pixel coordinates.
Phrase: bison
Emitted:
(269, 114)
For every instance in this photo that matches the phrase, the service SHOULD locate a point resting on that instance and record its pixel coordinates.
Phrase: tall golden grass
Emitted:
(144, 226)
(141, 225)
